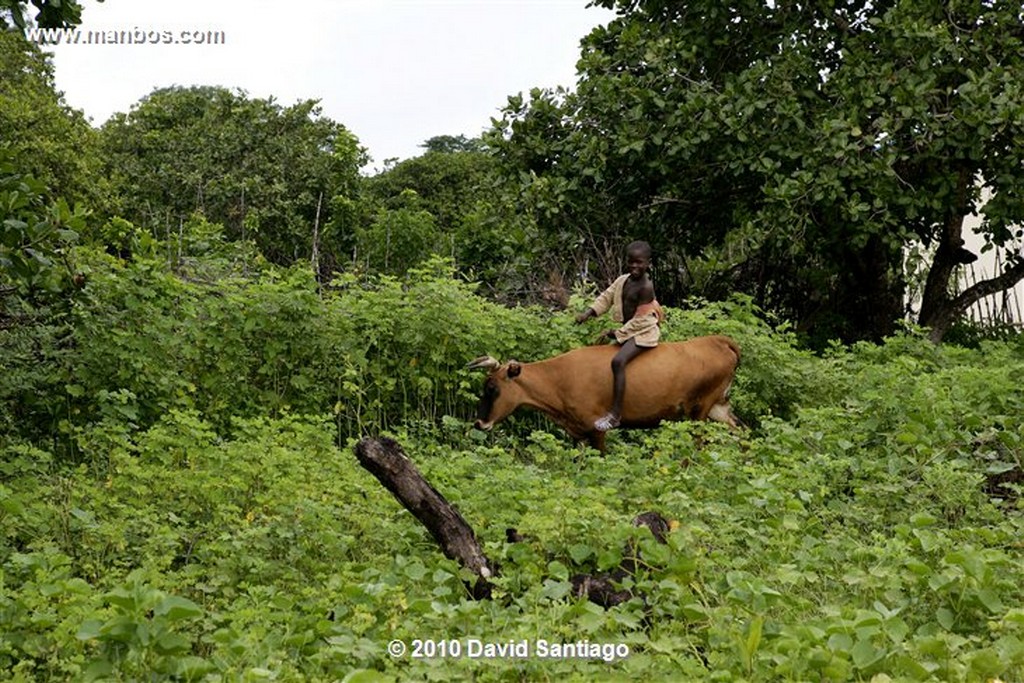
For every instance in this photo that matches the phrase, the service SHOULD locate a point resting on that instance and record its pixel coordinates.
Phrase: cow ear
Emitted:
(514, 368)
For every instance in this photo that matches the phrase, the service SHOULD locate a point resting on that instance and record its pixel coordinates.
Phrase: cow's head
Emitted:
(502, 394)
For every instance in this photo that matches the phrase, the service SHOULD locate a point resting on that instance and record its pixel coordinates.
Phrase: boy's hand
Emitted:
(609, 334)
(583, 317)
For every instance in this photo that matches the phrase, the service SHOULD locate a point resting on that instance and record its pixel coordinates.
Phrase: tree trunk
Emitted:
(384, 459)
(935, 302)
(946, 312)
(871, 293)
(939, 308)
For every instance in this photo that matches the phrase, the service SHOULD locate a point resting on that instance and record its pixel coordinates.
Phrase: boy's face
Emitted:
(637, 263)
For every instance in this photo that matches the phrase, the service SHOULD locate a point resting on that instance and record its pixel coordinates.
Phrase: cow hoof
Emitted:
(606, 423)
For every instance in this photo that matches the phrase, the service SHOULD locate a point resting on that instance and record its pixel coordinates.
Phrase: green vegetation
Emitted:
(193, 339)
(42, 136)
(180, 498)
(265, 172)
(792, 151)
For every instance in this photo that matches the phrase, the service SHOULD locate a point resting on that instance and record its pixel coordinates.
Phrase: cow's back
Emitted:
(672, 380)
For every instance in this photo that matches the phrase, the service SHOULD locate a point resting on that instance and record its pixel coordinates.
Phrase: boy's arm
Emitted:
(602, 304)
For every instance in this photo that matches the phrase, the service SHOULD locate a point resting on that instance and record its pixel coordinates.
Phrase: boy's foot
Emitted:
(606, 423)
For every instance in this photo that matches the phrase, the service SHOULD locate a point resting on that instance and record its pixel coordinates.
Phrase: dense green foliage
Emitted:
(180, 391)
(34, 235)
(787, 150)
(450, 201)
(47, 14)
(265, 172)
(146, 341)
(41, 136)
(180, 499)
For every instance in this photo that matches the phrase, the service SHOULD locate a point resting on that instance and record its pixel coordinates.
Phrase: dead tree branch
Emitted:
(385, 460)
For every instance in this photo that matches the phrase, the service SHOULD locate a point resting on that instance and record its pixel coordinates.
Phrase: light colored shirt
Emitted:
(644, 327)
(611, 299)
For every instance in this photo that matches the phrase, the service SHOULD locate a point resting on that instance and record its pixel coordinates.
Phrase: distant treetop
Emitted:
(453, 143)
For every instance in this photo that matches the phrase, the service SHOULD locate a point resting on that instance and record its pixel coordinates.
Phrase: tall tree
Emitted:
(453, 143)
(49, 174)
(265, 172)
(789, 150)
(455, 183)
(45, 137)
(450, 179)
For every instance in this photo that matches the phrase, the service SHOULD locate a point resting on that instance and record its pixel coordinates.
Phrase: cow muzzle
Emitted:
(483, 426)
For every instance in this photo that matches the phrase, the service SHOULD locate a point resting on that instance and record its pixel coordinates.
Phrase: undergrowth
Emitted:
(180, 501)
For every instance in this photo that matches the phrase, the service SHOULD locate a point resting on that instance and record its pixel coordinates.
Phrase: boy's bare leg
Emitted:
(627, 352)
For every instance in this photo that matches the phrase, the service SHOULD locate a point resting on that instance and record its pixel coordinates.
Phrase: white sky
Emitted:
(395, 72)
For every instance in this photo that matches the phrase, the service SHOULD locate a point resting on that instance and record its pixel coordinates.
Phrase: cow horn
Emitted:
(483, 363)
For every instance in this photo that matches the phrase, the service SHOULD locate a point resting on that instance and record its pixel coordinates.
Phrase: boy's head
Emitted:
(638, 258)
(640, 248)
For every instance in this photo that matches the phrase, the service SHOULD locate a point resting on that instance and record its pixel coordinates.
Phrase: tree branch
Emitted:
(657, 201)
(384, 459)
(980, 290)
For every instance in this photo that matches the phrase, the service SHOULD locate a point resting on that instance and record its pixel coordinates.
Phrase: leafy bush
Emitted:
(825, 547)
(178, 498)
(380, 352)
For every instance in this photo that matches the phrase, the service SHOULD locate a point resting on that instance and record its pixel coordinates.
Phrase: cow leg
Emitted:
(722, 412)
(596, 440)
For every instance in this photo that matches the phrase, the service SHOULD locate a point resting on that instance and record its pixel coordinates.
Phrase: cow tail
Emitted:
(735, 349)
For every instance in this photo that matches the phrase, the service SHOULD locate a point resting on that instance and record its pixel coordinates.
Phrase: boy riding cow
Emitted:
(631, 302)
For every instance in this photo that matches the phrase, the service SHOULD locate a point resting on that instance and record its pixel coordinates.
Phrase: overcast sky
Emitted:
(395, 72)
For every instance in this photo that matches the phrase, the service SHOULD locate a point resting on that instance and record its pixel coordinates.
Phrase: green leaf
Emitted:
(99, 669)
(753, 640)
(987, 663)
(89, 630)
(590, 622)
(906, 437)
(555, 590)
(580, 552)
(169, 643)
(122, 598)
(175, 608)
(558, 571)
(923, 519)
(694, 611)
(840, 642)
(865, 654)
(193, 668)
(416, 571)
(990, 600)
(367, 676)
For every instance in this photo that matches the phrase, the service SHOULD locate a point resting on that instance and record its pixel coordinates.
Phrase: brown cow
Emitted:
(674, 381)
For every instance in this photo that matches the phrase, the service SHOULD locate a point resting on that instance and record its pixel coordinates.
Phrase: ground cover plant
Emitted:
(179, 499)
(205, 304)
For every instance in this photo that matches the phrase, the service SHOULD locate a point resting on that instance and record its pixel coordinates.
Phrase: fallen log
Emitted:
(385, 460)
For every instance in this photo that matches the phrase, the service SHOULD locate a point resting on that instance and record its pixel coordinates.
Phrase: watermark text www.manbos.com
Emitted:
(133, 36)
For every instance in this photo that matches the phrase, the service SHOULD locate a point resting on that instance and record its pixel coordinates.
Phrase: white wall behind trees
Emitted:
(1005, 307)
